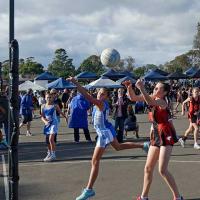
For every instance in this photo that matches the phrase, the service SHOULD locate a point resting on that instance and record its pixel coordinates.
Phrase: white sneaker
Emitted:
(28, 133)
(196, 146)
(50, 158)
(47, 157)
(182, 142)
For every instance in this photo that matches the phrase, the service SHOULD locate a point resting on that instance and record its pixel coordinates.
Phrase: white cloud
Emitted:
(152, 31)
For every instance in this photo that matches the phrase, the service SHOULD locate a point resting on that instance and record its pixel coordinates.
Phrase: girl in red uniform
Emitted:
(193, 116)
(163, 136)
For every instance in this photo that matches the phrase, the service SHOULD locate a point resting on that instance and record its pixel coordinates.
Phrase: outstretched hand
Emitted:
(127, 83)
(71, 79)
(139, 84)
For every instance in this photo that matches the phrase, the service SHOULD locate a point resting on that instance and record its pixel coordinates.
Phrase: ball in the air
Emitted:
(110, 57)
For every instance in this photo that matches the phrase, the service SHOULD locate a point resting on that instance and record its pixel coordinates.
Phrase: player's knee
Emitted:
(162, 171)
(148, 169)
(95, 162)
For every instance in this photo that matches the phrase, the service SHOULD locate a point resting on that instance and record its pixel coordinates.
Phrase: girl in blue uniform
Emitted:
(106, 135)
(48, 116)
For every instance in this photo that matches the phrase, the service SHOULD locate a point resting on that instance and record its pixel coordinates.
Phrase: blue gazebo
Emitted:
(61, 83)
(46, 76)
(126, 78)
(86, 76)
(154, 76)
(114, 75)
(191, 71)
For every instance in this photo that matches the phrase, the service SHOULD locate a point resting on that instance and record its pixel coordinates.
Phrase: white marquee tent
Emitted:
(103, 82)
(28, 84)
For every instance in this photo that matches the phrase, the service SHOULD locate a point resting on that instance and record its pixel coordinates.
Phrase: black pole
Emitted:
(1, 79)
(13, 175)
(14, 122)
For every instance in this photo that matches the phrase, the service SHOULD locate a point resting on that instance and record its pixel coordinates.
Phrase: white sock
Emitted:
(53, 153)
(144, 198)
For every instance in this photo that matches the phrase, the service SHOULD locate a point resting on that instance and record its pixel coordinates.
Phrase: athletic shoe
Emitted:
(196, 146)
(180, 198)
(47, 157)
(86, 193)
(182, 142)
(140, 198)
(28, 133)
(51, 158)
(146, 146)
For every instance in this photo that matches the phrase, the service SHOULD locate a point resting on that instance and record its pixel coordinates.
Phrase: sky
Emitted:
(151, 31)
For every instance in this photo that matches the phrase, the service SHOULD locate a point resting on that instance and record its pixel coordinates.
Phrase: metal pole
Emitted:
(1, 79)
(13, 117)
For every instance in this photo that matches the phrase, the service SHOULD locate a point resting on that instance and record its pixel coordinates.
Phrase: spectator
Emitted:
(26, 110)
(130, 123)
(78, 117)
(64, 99)
(120, 104)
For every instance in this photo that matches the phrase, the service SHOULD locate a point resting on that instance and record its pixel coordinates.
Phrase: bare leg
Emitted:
(126, 145)
(189, 130)
(165, 153)
(152, 159)
(52, 142)
(196, 132)
(98, 152)
(28, 126)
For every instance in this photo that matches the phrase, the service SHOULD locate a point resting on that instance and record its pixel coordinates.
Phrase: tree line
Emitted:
(62, 64)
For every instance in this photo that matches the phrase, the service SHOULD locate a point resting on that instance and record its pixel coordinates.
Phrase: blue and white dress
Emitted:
(50, 114)
(105, 130)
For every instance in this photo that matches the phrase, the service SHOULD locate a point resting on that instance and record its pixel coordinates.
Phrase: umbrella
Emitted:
(103, 82)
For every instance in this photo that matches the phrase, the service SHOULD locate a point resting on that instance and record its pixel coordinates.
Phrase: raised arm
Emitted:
(84, 92)
(149, 99)
(131, 93)
(183, 105)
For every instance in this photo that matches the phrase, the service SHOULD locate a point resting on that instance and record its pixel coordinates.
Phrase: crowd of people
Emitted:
(76, 105)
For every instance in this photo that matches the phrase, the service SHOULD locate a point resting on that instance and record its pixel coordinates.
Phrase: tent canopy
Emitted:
(28, 84)
(112, 74)
(159, 71)
(61, 83)
(196, 74)
(103, 82)
(46, 76)
(191, 71)
(120, 81)
(177, 75)
(86, 76)
(154, 76)
(115, 75)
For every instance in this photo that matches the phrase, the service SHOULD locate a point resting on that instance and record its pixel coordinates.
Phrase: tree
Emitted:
(126, 64)
(5, 69)
(62, 65)
(196, 42)
(30, 67)
(139, 71)
(92, 64)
